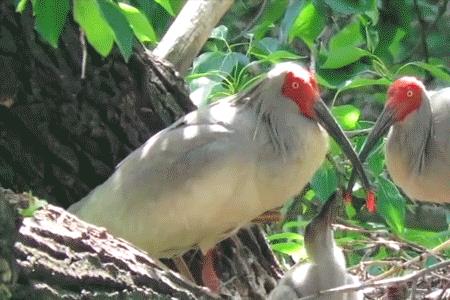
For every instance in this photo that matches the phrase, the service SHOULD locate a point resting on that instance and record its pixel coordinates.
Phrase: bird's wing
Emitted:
(440, 103)
(198, 143)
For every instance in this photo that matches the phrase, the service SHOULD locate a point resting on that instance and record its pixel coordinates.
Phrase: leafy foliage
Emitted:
(104, 22)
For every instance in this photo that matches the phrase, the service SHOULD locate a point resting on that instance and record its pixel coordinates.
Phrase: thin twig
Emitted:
(252, 22)
(84, 54)
(416, 259)
(385, 282)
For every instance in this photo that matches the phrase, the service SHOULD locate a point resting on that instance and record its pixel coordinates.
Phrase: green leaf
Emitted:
(341, 57)
(425, 238)
(171, 6)
(288, 248)
(437, 71)
(218, 61)
(21, 5)
(98, 33)
(282, 55)
(347, 116)
(391, 205)
(375, 161)
(363, 82)
(308, 24)
(139, 23)
(350, 35)
(350, 6)
(324, 182)
(285, 235)
(272, 13)
(294, 225)
(123, 34)
(33, 205)
(50, 18)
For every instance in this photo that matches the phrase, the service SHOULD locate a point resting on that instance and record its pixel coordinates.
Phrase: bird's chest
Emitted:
(280, 178)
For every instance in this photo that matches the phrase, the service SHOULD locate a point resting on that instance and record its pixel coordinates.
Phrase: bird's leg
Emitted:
(182, 268)
(209, 275)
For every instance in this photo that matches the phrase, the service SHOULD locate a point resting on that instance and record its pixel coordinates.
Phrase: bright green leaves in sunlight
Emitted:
(139, 23)
(343, 47)
(391, 205)
(104, 23)
(308, 24)
(34, 204)
(289, 243)
(97, 30)
(50, 17)
(21, 5)
(347, 116)
(171, 6)
(123, 35)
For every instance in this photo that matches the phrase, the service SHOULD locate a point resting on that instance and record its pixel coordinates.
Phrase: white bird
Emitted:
(418, 143)
(198, 181)
(327, 267)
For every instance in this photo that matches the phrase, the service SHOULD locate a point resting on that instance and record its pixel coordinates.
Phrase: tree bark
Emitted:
(59, 256)
(60, 136)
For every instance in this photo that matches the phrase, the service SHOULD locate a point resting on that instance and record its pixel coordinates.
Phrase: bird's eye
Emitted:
(295, 85)
(409, 93)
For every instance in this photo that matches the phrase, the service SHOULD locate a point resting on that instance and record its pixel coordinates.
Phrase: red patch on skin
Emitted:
(405, 96)
(303, 90)
(371, 202)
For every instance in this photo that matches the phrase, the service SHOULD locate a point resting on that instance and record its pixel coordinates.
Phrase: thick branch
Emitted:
(189, 32)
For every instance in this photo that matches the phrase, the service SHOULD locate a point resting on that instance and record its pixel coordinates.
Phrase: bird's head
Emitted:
(292, 82)
(297, 85)
(404, 97)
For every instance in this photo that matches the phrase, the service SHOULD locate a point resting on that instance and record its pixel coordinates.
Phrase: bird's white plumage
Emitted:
(418, 150)
(326, 269)
(211, 172)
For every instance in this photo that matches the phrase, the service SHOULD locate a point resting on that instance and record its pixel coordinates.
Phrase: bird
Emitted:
(198, 181)
(417, 150)
(326, 269)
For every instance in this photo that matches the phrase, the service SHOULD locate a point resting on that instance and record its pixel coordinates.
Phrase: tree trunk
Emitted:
(60, 136)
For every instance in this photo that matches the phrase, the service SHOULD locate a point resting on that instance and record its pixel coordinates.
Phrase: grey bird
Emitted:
(198, 181)
(326, 269)
(418, 143)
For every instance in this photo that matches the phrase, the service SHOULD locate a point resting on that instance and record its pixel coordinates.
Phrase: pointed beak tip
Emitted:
(371, 202)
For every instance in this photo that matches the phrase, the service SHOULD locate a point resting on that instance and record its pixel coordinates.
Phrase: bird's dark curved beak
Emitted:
(326, 119)
(382, 125)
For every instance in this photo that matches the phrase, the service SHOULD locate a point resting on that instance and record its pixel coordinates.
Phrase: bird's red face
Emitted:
(301, 88)
(404, 97)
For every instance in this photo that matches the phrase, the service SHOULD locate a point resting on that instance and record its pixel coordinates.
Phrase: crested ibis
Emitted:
(198, 181)
(326, 268)
(418, 143)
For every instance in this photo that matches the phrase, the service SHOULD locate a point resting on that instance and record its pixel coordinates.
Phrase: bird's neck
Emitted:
(281, 126)
(323, 250)
(413, 135)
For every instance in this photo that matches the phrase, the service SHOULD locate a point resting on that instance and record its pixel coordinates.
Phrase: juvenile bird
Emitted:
(327, 267)
(418, 143)
(198, 181)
